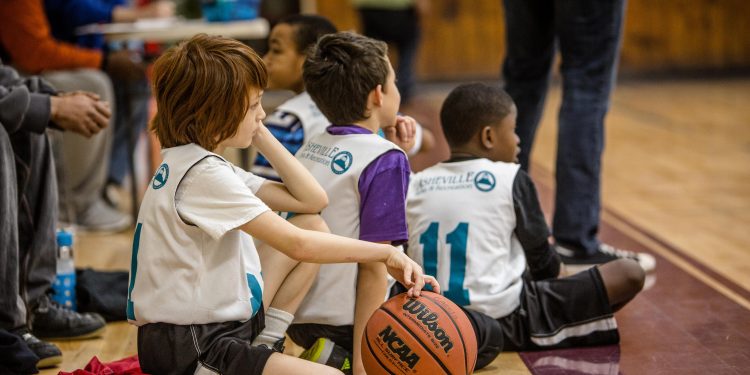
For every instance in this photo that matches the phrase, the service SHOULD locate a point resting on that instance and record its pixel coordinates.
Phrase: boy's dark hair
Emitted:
(341, 71)
(308, 28)
(471, 106)
(202, 88)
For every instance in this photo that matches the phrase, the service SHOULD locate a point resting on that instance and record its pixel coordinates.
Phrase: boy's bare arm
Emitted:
(372, 286)
(300, 192)
(317, 247)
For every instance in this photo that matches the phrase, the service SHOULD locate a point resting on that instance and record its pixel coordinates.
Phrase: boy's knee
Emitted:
(633, 274)
(310, 222)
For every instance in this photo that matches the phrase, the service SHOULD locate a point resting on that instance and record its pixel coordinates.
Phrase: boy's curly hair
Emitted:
(469, 108)
(202, 88)
(341, 71)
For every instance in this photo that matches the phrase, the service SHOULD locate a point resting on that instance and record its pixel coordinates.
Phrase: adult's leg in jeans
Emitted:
(589, 36)
(404, 32)
(132, 101)
(530, 42)
(12, 308)
(407, 42)
(37, 218)
(401, 28)
(84, 160)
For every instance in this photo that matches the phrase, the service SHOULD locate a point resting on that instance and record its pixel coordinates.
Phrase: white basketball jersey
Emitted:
(305, 115)
(305, 109)
(179, 274)
(337, 161)
(461, 230)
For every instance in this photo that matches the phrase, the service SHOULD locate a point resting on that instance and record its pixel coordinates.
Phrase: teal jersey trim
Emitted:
(256, 293)
(130, 311)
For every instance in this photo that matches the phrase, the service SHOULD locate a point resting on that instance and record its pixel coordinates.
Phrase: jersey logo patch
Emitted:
(160, 178)
(341, 162)
(484, 181)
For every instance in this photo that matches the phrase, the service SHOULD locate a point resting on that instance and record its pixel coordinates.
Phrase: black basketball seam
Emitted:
(427, 349)
(367, 340)
(460, 335)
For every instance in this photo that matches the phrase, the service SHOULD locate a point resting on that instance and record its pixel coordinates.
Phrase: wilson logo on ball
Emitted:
(429, 319)
(397, 345)
(425, 335)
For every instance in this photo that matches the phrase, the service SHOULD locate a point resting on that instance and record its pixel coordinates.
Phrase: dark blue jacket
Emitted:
(65, 16)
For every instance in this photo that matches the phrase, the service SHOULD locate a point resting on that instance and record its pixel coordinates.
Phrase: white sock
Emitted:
(277, 321)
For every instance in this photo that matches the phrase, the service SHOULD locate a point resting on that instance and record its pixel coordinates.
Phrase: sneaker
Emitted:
(100, 217)
(112, 194)
(49, 354)
(52, 321)
(325, 351)
(606, 253)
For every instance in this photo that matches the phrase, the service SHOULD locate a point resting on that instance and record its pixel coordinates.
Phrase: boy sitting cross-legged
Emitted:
(476, 225)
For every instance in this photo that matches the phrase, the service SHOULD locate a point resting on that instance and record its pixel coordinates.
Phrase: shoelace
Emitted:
(620, 253)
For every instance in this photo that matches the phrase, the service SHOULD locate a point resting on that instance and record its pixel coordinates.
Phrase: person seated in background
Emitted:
(28, 203)
(131, 87)
(475, 223)
(298, 119)
(84, 161)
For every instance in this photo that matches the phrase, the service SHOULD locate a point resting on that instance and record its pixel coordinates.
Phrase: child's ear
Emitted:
(487, 137)
(376, 95)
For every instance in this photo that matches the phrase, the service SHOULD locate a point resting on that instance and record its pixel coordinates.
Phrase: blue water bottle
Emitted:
(65, 284)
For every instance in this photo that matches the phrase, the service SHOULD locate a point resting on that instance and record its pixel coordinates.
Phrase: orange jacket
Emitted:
(26, 37)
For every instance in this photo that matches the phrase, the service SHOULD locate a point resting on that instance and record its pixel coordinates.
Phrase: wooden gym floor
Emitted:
(676, 183)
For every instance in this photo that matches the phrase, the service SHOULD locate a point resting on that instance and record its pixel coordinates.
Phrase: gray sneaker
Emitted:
(100, 217)
(605, 253)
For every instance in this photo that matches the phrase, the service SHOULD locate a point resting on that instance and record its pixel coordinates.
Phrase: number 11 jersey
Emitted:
(461, 230)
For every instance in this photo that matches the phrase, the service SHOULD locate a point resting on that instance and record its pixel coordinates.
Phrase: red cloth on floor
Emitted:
(125, 366)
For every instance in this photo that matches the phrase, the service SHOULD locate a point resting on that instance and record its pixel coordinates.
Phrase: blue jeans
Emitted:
(131, 116)
(400, 27)
(587, 34)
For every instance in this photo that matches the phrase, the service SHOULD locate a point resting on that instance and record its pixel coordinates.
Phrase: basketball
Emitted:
(425, 335)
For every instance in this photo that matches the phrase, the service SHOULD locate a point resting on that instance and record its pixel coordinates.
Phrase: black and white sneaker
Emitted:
(605, 253)
(49, 354)
(52, 321)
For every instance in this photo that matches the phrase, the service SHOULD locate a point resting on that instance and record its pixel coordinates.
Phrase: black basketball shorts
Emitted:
(217, 348)
(561, 313)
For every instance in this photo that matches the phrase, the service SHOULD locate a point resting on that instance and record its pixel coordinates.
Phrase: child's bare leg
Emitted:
(285, 283)
(623, 279)
(280, 364)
